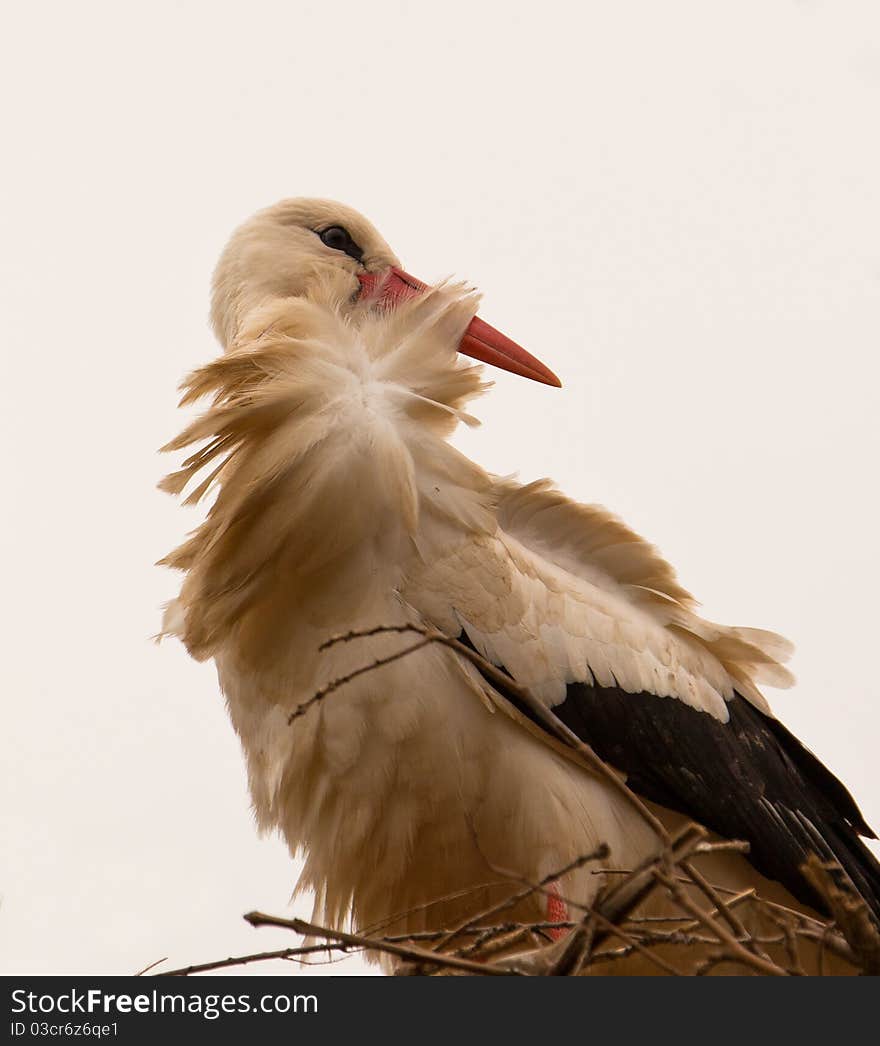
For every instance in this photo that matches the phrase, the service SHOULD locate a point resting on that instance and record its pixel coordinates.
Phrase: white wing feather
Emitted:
(564, 593)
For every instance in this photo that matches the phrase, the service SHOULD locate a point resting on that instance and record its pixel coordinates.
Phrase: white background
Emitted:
(675, 205)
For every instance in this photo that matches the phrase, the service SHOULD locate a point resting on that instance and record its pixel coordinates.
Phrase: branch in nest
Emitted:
(850, 912)
(717, 928)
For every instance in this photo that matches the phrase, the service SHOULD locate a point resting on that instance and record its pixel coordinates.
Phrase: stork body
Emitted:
(342, 506)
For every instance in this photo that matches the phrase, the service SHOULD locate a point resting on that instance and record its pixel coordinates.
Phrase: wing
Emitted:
(577, 607)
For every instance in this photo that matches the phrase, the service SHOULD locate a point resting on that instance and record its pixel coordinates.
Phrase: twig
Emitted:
(372, 928)
(716, 959)
(497, 943)
(486, 936)
(635, 944)
(411, 952)
(739, 846)
(244, 960)
(152, 965)
(850, 912)
(738, 952)
(790, 943)
(652, 940)
(830, 941)
(722, 908)
(335, 684)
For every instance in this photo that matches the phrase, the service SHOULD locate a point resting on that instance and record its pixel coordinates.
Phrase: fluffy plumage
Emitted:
(339, 504)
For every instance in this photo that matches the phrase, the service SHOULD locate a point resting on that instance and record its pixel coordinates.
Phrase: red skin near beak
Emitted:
(480, 342)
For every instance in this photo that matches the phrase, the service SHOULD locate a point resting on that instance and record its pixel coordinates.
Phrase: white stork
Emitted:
(340, 505)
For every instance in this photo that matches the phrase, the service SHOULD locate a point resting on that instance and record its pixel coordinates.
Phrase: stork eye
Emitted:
(339, 239)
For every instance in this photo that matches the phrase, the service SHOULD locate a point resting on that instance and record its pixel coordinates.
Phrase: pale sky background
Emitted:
(675, 205)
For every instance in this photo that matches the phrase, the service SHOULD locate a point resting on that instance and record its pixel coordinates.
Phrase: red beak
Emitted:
(480, 341)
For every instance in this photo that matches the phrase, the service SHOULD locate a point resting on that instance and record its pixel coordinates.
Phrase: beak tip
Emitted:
(480, 341)
(544, 375)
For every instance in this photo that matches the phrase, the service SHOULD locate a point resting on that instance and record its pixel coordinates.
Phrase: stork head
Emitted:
(283, 250)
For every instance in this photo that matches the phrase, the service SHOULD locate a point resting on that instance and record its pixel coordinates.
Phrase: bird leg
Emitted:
(557, 912)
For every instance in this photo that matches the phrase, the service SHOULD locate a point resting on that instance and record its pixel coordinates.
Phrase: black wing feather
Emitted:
(749, 778)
